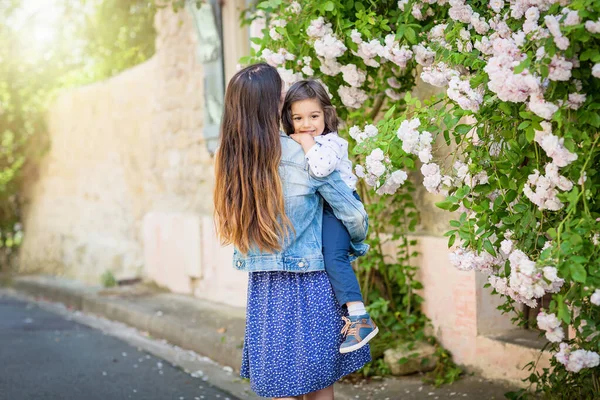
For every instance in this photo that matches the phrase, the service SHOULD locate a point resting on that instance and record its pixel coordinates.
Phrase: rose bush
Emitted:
(518, 109)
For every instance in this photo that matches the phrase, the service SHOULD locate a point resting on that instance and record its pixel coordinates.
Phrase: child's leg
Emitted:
(336, 244)
(359, 328)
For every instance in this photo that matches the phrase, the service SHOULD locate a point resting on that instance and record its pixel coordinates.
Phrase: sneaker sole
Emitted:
(360, 344)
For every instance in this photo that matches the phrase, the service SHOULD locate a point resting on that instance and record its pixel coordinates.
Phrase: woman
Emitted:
(268, 205)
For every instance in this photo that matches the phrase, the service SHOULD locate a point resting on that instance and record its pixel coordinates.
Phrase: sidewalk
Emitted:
(216, 331)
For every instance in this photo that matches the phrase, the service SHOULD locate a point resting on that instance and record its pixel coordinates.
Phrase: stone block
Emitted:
(220, 281)
(420, 358)
(172, 249)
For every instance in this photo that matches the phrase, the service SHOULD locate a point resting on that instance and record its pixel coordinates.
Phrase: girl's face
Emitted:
(308, 117)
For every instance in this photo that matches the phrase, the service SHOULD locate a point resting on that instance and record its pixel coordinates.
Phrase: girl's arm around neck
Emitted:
(324, 154)
(350, 211)
(305, 140)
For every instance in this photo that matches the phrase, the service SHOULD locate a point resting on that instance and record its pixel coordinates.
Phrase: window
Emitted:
(207, 21)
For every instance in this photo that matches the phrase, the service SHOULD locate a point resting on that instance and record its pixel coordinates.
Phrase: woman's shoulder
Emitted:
(291, 152)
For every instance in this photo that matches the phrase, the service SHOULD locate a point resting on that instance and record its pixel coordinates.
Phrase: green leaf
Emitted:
(525, 114)
(245, 60)
(389, 112)
(447, 137)
(575, 239)
(536, 125)
(578, 273)
(451, 240)
(489, 247)
(588, 54)
(328, 6)
(462, 191)
(463, 129)
(595, 120)
(521, 67)
(270, 4)
(505, 107)
(510, 196)
(524, 125)
(563, 310)
(410, 35)
(444, 205)
(530, 134)
(520, 208)
(464, 235)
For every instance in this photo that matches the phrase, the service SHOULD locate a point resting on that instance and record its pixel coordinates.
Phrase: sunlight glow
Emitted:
(38, 22)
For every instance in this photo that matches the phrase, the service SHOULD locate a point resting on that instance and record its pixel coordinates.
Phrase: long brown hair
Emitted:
(248, 196)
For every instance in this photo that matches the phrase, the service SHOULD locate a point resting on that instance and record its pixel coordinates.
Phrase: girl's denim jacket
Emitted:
(302, 250)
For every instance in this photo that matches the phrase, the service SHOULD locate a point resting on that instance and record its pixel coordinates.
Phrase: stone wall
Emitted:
(127, 183)
(86, 199)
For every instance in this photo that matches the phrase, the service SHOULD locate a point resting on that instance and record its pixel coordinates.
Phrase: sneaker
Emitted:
(359, 329)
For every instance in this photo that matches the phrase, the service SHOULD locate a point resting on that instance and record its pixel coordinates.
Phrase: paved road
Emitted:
(44, 356)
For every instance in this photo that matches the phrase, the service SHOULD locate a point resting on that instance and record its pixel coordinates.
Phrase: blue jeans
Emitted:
(336, 246)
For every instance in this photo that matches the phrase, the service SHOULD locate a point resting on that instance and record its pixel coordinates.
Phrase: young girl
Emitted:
(310, 119)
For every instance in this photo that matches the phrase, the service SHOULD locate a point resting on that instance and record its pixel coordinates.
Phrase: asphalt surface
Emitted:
(44, 356)
(204, 338)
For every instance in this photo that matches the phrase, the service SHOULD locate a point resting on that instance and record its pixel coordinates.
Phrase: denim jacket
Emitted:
(302, 250)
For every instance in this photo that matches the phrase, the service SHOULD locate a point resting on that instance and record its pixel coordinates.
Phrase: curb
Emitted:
(224, 348)
(198, 367)
(216, 331)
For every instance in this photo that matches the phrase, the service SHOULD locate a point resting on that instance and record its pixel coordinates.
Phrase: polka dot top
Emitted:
(330, 153)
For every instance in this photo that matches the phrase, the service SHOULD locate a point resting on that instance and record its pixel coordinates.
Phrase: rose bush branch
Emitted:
(520, 114)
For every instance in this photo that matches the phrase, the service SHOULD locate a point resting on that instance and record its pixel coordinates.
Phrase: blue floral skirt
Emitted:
(292, 340)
